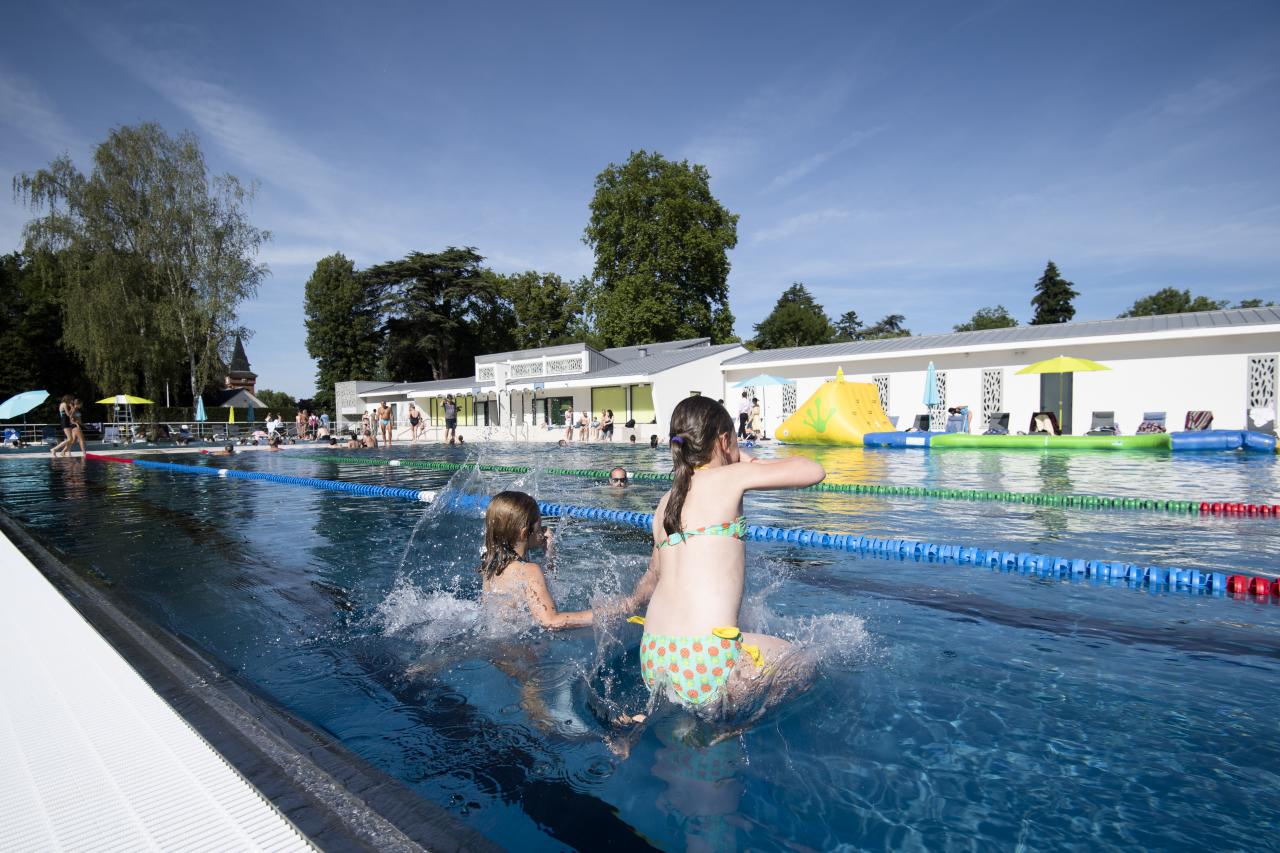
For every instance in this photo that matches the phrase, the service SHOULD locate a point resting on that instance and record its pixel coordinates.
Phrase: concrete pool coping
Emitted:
(115, 733)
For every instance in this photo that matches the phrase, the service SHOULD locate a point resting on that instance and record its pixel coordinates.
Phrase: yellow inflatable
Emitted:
(838, 413)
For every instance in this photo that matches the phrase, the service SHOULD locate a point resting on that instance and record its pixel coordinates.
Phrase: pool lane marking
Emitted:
(1186, 580)
(367, 489)
(1027, 498)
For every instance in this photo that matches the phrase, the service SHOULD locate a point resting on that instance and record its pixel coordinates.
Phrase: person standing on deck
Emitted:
(384, 423)
(450, 419)
(744, 413)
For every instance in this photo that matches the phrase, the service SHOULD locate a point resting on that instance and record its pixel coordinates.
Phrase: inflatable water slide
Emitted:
(839, 413)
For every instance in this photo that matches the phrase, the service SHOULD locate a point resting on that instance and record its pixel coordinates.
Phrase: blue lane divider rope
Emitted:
(931, 552)
(1190, 580)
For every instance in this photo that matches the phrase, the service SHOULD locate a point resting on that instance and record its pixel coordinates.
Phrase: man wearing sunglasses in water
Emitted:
(618, 478)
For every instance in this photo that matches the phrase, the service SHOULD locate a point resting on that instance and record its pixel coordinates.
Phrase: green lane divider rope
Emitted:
(1030, 498)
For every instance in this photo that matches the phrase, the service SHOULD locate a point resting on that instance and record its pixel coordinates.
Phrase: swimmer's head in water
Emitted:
(618, 477)
(511, 516)
(697, 425)
(230, 448)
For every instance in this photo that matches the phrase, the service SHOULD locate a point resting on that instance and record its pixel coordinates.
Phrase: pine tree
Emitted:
(1053, 298)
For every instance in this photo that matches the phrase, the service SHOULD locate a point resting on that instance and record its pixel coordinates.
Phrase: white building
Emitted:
(525, 395)
(1222, 361)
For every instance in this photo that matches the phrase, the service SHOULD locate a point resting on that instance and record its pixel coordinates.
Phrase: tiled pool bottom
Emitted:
(954, 707)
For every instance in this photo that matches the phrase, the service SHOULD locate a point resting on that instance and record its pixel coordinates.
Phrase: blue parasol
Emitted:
(931, 397)
(20, 404)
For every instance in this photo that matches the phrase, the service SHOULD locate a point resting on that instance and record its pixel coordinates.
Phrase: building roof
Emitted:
(653, 364)
(239, 361)
(621, 354)
(240, 398)
(1198, 320)
(537, 352)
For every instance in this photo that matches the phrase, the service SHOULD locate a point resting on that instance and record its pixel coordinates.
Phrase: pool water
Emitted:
(954, 707)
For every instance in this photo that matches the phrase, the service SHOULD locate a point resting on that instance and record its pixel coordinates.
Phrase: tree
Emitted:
(888, 326)
(661, 243)
(442, 310)
(796, 321)
(159, 256)
(848, 327)
(988, 318)
(278, 399)
(342, 319)
(1053, 298)
(548, 310)
(1170, 300)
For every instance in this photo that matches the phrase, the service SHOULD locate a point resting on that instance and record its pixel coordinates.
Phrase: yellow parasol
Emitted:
(1062, 364)
(125, 400)
(231, 414)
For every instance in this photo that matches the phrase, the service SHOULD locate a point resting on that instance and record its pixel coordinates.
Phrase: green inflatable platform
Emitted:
(1151, 441)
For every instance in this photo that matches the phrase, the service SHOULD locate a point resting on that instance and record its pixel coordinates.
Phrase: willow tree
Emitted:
(160, 256)
(661, 242)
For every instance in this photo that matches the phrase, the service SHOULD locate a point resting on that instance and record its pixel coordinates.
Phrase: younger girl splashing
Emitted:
(691, 642)
(513, 525)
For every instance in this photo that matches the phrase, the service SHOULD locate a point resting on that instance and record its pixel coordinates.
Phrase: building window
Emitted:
(992, 394)
(612, 397)
(554, 408)
(642, 404)
(938, 413)
(882, 388)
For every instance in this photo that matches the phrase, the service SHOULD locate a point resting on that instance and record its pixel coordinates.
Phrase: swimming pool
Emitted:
(955, 706)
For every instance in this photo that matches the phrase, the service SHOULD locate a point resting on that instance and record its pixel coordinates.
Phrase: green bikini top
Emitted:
(736, 529)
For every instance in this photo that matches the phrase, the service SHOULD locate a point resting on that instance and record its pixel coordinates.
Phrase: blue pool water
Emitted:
(954, 706)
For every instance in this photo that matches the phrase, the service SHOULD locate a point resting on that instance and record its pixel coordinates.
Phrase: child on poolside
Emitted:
(691, 643)
(513, 525)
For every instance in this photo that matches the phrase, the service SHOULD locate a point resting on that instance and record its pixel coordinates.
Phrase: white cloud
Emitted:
(796, 224)
(809, 164)
(25, 108)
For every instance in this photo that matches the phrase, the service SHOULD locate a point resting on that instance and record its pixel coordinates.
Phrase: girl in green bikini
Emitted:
(691, 648)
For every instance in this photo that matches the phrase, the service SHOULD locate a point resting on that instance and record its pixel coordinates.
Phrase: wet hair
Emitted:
(509, 515)
(230, 448)
(696, 425)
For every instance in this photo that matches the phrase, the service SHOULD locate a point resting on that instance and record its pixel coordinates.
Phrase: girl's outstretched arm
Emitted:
(794, 472)
(543, 606)
(643, 591)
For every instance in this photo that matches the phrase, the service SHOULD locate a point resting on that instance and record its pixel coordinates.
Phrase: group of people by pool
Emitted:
(72, 427)
(588, 426)
(692, 650)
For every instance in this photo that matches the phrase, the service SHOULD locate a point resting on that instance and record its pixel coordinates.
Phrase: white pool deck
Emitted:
(91, 758)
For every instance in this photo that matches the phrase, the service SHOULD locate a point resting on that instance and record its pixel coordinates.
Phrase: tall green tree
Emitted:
(988, 318)
(888, 326)
(343, 334)
(849, 327)
(661, 243)
(159, 256)
(1170, 300)
(1053, 298)
(548, 310)
(795, 321)
(280, 399)
(31, 333)
(442, 309)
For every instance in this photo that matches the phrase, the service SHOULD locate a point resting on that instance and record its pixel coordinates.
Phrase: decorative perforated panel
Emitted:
(882, 387)
(1262, 381)
(526, 368)
(992, 393)
(565, 365)
(484, 373)
(788, 399)
(938, 413)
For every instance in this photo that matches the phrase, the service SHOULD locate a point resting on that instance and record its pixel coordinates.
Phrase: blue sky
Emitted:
(922, 158)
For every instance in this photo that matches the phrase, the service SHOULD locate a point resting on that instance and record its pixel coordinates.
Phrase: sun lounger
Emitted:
(111, 435)
(49, 436)
(1104, 423)
(1199, 419)
(1151, 422)
(11, 438)
(997, 423)
(957, 423)
(920, 424)
(1044, 423)
(1262, 419)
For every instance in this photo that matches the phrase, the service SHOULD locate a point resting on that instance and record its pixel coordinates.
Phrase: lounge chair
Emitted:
(1044, 423)
(893, 419)
(184, 435)
(1199, 420)
(11, 438)
(957, 423)
(1151, 422)
(1104, 423)
(111, 435)
(997, 423)
(49, 436)
(1262, 419)
(920, 424)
